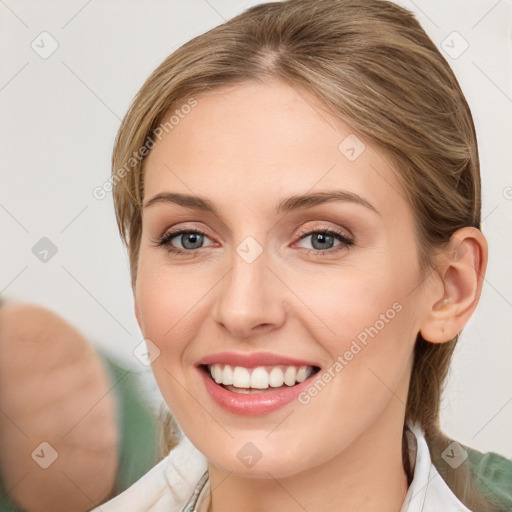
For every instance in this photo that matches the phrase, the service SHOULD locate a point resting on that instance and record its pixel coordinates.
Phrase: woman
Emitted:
(299, 192)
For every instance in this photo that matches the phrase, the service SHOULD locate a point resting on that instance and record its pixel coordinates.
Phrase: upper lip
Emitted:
(250, 360)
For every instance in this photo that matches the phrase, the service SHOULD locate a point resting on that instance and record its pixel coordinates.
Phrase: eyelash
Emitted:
(165, 240)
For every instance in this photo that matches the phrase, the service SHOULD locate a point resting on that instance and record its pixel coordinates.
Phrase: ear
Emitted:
(461, 267)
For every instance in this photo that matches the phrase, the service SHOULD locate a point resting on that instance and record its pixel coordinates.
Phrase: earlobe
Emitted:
(461, 268)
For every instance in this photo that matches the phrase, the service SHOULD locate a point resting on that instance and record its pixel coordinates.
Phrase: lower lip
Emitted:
(252, 404)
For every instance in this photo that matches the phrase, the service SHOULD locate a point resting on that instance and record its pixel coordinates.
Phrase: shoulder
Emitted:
(493, 475)
(166, 487)
(482, 481)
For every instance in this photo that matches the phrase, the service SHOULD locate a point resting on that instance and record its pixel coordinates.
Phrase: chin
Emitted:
(249, 462)
(260, 470)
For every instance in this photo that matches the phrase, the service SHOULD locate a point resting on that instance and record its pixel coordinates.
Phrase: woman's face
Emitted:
(267, 279)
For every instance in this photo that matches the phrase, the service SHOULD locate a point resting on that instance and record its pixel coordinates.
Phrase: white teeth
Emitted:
(260, 377)
(217, 374)
(227, 375)
(290, 375)
(276, 377)
(241, 377)
(303, 374)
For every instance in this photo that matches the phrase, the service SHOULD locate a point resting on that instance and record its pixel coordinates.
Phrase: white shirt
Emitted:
(178, 483)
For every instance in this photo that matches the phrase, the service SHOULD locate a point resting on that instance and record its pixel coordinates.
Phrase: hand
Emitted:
(53, 389)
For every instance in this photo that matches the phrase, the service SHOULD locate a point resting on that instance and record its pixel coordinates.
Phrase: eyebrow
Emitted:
(296, 202)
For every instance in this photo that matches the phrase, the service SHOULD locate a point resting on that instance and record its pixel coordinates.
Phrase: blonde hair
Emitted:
(372, 65)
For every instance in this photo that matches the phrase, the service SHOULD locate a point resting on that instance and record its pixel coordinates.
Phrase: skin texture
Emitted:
(53, 389)
(245, 148)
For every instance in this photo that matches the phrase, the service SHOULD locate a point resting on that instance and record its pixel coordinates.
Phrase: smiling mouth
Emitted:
(260, 379)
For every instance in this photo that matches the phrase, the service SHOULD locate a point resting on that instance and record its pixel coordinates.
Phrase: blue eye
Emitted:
(190, 240)
(322, 239)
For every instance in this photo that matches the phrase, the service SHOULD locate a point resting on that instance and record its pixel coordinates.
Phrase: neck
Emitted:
(367, 476)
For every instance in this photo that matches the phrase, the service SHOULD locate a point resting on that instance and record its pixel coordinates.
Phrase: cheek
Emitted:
(173, 306)
(347, 303)
(165, 303)
(362, 321)
(165, 299)
(365, 322)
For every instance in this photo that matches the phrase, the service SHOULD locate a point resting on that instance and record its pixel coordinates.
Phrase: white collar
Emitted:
(428, 491)
(175, 484)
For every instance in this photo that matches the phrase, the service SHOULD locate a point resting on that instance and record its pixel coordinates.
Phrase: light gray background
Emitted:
(58, 119)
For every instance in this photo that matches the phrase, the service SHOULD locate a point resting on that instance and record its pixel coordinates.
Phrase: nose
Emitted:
(251, 300)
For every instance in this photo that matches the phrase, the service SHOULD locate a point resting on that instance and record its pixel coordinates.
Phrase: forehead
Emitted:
(254, 143)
